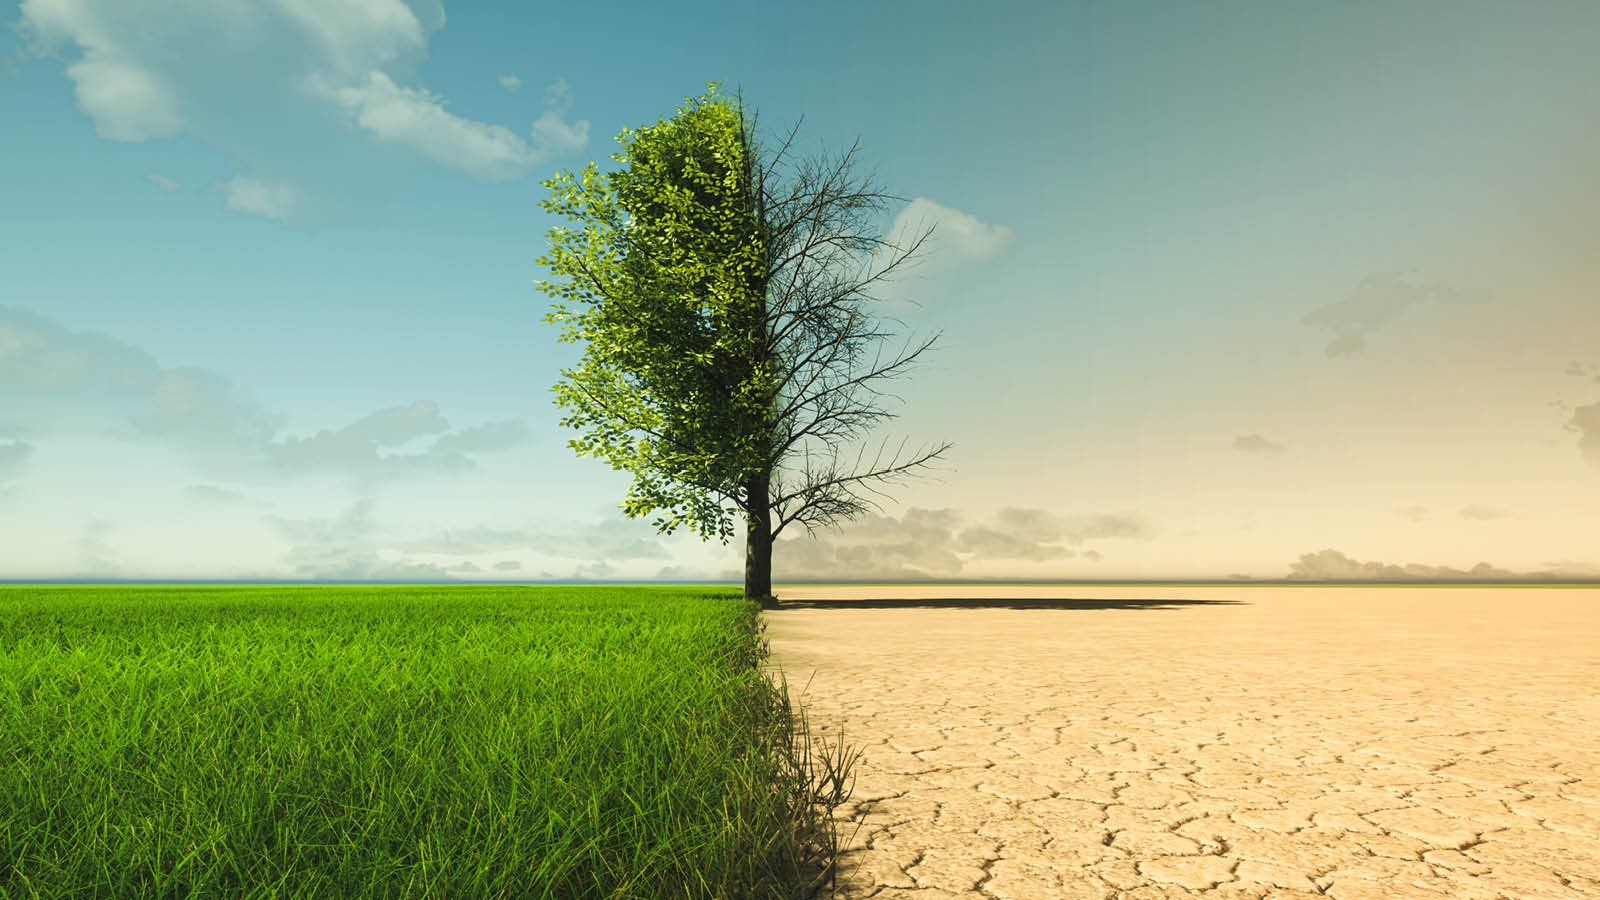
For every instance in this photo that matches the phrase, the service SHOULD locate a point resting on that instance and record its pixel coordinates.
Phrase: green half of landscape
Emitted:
(400, 741)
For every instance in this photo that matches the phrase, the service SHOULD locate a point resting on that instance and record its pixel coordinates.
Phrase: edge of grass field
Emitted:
(732, 586)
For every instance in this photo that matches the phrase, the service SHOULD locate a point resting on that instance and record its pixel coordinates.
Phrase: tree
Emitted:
(721, 343)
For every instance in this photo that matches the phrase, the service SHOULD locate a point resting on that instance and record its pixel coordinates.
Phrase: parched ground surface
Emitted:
(1088, 742)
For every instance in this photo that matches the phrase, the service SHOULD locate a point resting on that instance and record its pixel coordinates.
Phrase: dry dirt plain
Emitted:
(1228, 742)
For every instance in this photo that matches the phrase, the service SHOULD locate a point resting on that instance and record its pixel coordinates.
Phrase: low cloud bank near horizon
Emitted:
(932, 543)
(57, 380)
(351, 545)
(1332, 565)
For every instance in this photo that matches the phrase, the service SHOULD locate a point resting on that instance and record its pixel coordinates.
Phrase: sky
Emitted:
(1233, 290)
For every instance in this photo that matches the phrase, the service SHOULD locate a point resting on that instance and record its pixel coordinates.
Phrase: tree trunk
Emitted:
(758, 544)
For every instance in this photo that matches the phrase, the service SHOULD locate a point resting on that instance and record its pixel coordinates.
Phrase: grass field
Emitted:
(401, 742)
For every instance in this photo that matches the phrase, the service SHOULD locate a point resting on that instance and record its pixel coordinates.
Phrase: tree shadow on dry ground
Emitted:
(1004, 603)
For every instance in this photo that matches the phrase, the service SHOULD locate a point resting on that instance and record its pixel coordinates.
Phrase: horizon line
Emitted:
(1176, 582)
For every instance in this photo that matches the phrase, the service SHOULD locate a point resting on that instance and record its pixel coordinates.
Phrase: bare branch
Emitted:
(829, 497)
(859, 380)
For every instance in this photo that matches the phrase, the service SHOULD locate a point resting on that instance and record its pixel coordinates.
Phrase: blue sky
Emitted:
(1225, 289)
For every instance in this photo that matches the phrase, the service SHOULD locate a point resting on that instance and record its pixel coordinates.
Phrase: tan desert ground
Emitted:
(1214, 742)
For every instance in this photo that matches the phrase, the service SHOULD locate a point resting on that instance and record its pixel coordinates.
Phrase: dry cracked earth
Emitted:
(1265, 742)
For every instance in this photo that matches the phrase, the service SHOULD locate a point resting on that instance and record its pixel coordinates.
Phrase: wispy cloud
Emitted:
(252, 195)
(551, 132)
(13, 455)
(55, 377)
(417, 119)
(957, 236)
(1482, 513)
(345, 548)
(207, 493)
(355, 448)
(511, 83)
(958, 239)
(1258, 445)
(1586, 422)
(615, 539)
(487, 437)
(165, 183)
(1374, 303)
(94, 548)
(472, 541)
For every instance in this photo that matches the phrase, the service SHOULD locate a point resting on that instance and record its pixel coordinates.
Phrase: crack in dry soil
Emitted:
(1298, 745)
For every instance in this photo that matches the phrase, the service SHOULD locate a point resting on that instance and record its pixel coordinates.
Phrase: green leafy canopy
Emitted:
(666, 285)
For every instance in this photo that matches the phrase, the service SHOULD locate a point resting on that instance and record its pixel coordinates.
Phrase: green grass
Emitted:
(401, 742)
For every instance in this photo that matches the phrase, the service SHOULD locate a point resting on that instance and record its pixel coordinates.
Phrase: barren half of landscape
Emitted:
(1216, 742)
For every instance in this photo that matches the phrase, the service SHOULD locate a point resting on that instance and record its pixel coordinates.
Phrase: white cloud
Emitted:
(418, 119)
(356, 34)
(554, 137)
(166, 184)
(511, 83)
(251, 195)
(1483, 513)
(958, 239)
(234, 76)
(126, 102)
(126, 99)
